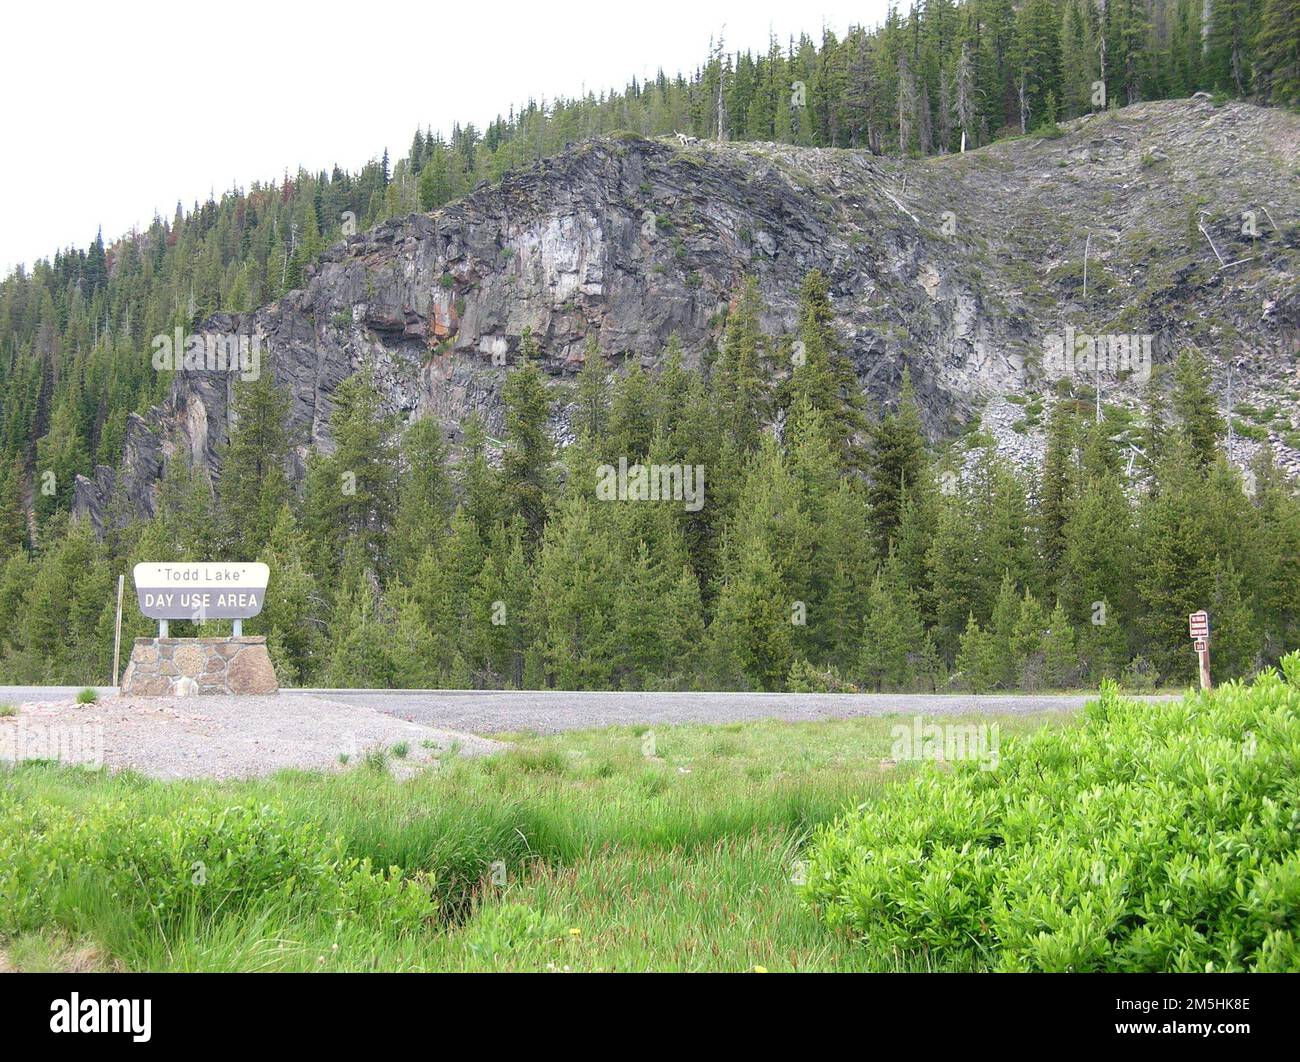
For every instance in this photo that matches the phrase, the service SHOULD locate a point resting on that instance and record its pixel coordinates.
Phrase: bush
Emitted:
(87, 696)
(1156, 837)
(510, 928)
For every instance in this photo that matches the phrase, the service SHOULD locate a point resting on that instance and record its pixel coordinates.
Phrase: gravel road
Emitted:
(551, 712)
(218, 737)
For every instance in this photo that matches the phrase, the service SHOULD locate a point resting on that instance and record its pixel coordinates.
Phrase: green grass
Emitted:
(6, 710)
(87, 696)
(681, 860)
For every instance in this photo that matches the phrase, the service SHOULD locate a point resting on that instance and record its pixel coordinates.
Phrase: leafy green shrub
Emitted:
(1150, 837)
(203, 861)
(511, 928)
(87, 696)
(7, 710)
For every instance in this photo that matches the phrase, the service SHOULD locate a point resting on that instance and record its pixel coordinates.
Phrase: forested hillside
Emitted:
(820, 511)
(73, 328)
(813, 563)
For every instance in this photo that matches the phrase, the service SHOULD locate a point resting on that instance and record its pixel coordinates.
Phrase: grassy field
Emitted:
(620, 849)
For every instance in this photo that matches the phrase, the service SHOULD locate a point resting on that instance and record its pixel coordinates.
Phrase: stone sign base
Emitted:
(180, 667)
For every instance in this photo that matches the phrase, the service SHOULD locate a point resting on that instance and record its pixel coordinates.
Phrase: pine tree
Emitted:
(253, 485)
(424, 493)
(292, 613)
(352, 494)
(896, 465)
(1175, 572)
(528, 454)
(1235, 639)
(954, 573)
(893, 635)
(1232, 33)
(478, 483)
(592, 413)
(823, 378)
(1097, 574)
(752, 634)
(13, 517)
(1196, 408)
(1056, 491)
(1029, 645)
(1039, 55)
(979, 660)
(682, 633)
(1278, 600)
(739, 383)
(359, 655)
(497, 631)
(413, 649)
(1002, 655)
(573, 598)
(632, 415)
(1060, 655)
(1277, 50)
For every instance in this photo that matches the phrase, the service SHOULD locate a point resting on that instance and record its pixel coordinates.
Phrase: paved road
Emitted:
(21, 694)
(550, 712)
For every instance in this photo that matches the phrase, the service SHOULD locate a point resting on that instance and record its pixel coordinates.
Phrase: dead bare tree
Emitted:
(965, 103)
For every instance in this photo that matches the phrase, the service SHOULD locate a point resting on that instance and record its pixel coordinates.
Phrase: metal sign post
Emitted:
(117, 635)
(1198, 627)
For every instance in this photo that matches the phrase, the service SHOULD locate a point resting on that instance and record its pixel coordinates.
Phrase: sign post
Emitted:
(1198, 627)
(200, 591)
(117, 633)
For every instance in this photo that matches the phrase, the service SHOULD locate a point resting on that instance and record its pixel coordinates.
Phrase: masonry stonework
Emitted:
(179, 667)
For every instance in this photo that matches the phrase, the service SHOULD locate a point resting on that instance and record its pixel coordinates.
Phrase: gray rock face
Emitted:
(955, 267)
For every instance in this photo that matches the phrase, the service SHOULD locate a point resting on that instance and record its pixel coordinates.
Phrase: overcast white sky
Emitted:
(115, 111)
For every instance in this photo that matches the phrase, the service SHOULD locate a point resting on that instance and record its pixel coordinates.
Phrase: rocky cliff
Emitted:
(957, 267)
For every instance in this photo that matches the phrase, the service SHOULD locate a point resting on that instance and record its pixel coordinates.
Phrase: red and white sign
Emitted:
(1200, 645)
(1198, 624)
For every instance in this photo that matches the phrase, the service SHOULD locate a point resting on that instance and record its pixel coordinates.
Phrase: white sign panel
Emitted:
(196, 591)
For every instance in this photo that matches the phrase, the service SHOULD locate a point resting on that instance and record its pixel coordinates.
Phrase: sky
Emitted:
(115, 112)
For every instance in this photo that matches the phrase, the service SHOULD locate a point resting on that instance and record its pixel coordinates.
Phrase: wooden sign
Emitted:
(1198, 626)
(200, 591)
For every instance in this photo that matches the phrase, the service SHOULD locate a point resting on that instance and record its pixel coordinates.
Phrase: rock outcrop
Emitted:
(955, 267)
